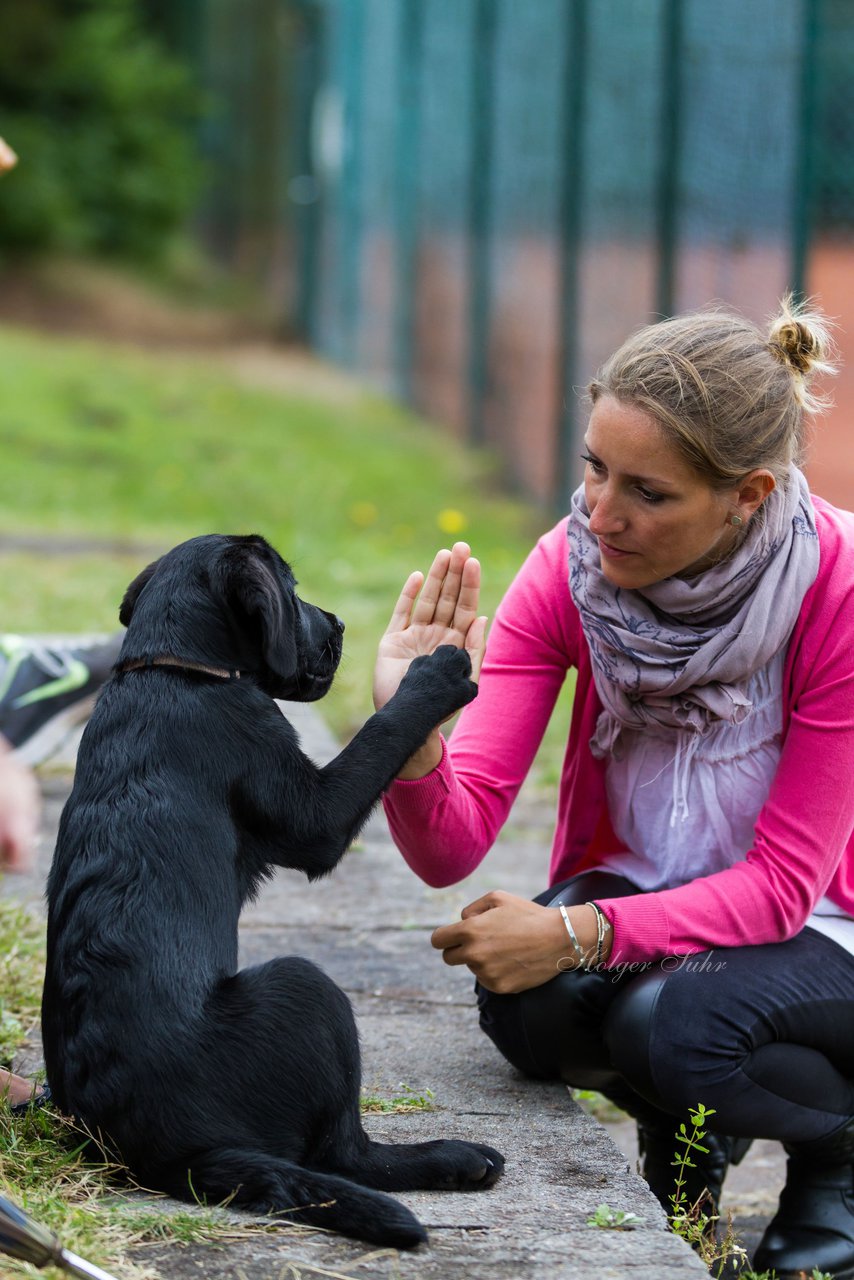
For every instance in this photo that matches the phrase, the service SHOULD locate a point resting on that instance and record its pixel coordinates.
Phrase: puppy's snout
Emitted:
(339, 624)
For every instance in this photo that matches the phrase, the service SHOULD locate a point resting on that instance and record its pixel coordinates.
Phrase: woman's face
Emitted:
(653, 516)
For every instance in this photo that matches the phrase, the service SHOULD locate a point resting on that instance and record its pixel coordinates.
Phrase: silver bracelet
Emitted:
(580, 955)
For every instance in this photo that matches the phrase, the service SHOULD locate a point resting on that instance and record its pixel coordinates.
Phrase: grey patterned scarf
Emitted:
(680, 653)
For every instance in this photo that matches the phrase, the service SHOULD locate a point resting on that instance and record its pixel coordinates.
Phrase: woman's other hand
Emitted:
(511, 944)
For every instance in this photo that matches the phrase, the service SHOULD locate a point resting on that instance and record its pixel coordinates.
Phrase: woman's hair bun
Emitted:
(800, 338)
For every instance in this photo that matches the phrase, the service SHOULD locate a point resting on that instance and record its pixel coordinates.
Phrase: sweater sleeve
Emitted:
(445, 823)
(799, 837)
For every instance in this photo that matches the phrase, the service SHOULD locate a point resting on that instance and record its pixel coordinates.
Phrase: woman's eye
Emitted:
(594, 462)
(649, 496)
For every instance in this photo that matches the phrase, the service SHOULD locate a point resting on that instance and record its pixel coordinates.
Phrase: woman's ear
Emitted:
(752, 492)
(133, 593)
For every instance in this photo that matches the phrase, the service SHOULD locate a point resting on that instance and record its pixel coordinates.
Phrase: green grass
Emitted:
(402, 1104)
(22, 951)
(91, 1208)
(115, 444)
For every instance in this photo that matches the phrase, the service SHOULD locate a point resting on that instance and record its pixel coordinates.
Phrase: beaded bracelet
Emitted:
(603, 924)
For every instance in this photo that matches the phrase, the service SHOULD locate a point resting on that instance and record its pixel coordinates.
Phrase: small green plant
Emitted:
(403, 1104)
(697, 1227)
(691, 1221)
(815, 1274)
(614, 1219)
(597, 1105)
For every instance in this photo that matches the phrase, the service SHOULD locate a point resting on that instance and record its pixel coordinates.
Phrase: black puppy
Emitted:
(190, 788)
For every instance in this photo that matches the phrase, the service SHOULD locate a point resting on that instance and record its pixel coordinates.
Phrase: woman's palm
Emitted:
(441, 609)
(397, 649)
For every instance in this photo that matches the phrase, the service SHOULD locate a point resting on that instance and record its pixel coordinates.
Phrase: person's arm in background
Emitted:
(19, 812)
(19, 819)
(8, 159)
(19, 804)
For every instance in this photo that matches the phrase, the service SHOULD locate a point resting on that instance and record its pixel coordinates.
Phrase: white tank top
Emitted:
(685, 804)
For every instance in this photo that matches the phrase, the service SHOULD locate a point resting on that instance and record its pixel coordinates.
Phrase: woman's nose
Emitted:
(605, 516)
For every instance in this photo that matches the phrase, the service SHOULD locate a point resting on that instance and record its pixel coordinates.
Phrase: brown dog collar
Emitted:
(181, 664)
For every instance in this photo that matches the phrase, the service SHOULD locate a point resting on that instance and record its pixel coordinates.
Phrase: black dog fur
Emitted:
(190, 788)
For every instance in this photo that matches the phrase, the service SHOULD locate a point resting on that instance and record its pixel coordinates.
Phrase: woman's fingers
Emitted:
(449, 597)
(467, 596)
(476, 646)
(403, 609)
(424, 612)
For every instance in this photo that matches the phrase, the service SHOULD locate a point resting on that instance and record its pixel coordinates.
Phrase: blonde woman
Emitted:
(696, 941)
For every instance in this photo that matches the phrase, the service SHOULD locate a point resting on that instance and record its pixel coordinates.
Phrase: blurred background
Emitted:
(369, 253)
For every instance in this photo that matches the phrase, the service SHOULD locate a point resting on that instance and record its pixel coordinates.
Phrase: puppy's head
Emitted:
(232, 601)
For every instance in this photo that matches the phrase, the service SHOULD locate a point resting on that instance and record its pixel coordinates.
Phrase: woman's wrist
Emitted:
(590, 936)
(424, 760)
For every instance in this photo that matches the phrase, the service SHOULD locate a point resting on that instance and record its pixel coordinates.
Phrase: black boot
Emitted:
(659, 1147)
(814, 1225)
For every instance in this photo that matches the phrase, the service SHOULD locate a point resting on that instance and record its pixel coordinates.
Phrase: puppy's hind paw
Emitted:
(471, 1166)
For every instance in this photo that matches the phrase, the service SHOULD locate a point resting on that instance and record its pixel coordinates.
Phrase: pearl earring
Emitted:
(736, 520)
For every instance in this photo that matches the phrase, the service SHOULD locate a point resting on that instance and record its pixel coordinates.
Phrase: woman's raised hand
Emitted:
(432, 611)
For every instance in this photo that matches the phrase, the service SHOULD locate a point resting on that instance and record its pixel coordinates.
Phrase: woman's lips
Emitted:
(613, 553)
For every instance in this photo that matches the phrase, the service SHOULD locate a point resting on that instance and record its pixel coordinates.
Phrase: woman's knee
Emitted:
(553, 1032)
(667, 1042)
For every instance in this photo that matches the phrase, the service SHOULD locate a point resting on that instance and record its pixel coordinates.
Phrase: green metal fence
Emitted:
(474, 201)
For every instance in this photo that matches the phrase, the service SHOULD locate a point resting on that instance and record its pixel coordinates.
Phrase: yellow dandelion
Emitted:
(364, 514)
(451, 521)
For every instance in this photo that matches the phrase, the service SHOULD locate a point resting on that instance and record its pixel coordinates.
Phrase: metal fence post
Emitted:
(483, 76)
(350, 226)
(307, 73)
(406, 190)
(569, 247)
(805, 169)
(669, 141)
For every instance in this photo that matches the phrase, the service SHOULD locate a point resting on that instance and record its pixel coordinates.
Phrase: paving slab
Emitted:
(368, 926)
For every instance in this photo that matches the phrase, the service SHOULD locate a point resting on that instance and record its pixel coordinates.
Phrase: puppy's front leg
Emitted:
(435, 686)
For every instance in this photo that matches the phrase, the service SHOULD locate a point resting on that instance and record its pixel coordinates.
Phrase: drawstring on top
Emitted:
(687, 743)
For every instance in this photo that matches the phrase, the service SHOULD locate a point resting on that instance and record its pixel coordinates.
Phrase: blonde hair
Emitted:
(729, 399)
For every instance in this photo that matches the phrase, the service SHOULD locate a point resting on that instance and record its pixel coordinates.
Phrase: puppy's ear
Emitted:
(256, 587)
(133, 592)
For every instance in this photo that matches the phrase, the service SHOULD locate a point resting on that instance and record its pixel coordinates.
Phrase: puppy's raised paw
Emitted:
(446, 675)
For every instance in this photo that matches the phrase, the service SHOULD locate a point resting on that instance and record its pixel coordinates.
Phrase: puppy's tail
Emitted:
(266, 1184)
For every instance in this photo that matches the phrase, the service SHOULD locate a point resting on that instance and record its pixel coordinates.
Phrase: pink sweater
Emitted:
(803, 844)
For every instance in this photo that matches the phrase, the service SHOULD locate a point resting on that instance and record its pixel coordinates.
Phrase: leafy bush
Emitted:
(102, 119)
